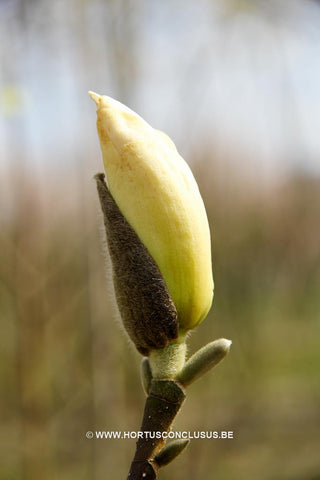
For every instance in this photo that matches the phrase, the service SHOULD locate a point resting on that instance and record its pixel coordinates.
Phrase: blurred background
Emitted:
(235, 83)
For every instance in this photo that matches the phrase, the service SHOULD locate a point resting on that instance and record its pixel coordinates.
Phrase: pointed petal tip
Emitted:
(95, 97)
(227, 342)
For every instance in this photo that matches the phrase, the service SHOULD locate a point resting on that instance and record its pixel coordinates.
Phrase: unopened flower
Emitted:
(158, 196)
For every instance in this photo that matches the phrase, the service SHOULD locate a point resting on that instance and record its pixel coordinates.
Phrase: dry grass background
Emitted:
(66, 368)
(65, 365)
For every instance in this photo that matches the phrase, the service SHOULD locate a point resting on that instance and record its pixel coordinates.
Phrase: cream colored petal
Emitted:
(157, 193)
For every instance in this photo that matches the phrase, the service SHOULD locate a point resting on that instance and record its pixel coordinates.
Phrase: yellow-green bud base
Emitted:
(167, 362)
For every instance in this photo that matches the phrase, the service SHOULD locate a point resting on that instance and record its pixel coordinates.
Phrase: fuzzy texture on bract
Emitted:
(147, 311)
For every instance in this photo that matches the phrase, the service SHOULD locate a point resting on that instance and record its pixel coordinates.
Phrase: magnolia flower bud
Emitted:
(157, 194)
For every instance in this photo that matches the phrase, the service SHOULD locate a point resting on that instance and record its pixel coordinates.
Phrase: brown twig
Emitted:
(162, 405)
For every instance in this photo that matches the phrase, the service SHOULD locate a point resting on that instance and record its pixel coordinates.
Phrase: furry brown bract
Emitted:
(147, 311)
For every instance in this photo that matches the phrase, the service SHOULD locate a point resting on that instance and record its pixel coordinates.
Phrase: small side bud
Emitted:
(146, 375)
(146, 308)
(170, 452)
(203, 360)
